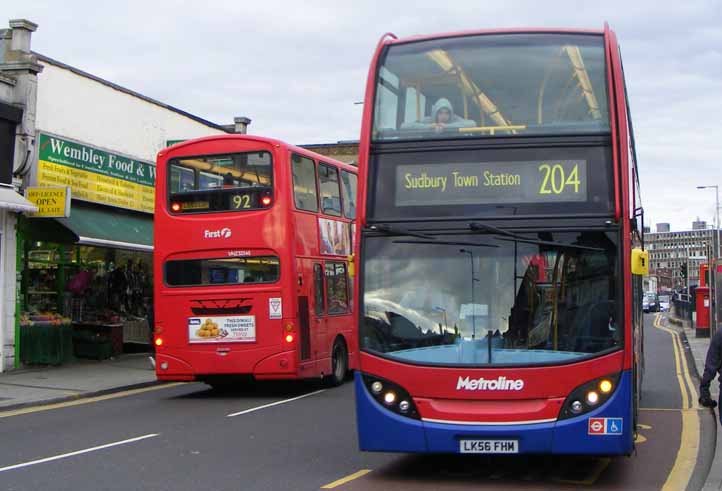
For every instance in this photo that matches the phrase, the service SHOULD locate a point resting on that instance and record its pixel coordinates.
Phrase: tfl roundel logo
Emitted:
(605, 426)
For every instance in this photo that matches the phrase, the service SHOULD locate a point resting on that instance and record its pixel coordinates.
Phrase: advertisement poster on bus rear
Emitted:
(217, 329)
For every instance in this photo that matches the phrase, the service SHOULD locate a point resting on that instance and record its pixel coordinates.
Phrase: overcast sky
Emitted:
(297, 67)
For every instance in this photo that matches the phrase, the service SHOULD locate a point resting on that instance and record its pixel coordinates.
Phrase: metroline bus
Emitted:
(499, 207)
(252, 241)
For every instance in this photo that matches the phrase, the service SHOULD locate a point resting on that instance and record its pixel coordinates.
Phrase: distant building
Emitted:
(699, 225)
(344, 150)
(671, 251)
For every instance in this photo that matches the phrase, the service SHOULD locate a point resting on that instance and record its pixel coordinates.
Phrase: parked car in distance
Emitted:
(663, 303)
(650, 303)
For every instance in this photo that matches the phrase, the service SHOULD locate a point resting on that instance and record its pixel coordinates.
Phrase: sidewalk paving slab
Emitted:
(85, 378)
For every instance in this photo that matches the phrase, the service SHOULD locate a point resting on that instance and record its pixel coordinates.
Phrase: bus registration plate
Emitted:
(489, 446)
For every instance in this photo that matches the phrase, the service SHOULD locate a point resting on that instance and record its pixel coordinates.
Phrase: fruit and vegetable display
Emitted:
(43, 319)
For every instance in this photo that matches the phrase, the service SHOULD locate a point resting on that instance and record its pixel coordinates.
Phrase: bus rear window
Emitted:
(222, 271)
(216, 183)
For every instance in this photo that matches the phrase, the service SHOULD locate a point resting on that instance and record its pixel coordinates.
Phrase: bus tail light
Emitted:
(391, 396)
(266, 201)
(589, 395)
(288, 332)
(175, 207)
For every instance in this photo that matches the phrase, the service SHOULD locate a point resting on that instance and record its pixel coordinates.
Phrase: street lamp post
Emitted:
(713, 263)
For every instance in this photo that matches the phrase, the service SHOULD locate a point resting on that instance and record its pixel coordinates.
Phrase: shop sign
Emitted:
(96, 175)
(52, 202)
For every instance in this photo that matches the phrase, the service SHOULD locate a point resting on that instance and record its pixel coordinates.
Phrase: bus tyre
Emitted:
(339, 364)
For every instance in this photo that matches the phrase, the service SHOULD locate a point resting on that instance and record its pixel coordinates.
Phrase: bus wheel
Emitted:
(339, 364)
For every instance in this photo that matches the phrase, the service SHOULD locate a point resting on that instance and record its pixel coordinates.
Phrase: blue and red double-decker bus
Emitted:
(499, 211)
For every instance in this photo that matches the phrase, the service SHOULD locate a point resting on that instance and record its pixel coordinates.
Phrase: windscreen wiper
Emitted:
(387, 229)
(512, 237)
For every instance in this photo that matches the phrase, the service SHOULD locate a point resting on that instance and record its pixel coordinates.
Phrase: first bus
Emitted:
(500, 227)
(251, 264)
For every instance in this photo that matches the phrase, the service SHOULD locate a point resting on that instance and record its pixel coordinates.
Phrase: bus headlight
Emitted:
(391, 396)
(589, 395)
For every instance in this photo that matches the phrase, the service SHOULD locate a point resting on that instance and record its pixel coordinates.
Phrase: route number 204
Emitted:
(555, 180)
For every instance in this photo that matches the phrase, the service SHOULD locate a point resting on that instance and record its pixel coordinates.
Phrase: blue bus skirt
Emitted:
(381, 430)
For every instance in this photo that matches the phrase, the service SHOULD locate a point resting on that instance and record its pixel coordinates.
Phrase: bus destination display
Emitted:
(548, 181)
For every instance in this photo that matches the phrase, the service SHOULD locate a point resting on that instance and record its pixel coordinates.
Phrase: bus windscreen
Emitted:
(217, 183)
(490, 300)
(492, 85)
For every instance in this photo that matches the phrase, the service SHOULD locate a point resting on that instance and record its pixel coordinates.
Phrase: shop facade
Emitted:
(79, 283)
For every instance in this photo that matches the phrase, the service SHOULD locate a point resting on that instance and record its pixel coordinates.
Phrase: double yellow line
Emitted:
(686, 459)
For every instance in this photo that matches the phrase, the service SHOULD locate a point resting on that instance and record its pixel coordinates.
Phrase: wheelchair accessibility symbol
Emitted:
(605, 426)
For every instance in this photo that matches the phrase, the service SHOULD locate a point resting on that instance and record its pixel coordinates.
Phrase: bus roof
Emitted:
(260, 139)
(392, 39)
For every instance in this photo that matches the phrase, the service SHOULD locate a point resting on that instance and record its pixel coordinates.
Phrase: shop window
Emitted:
(349, 194)
(336, 288)
(223, 271)
(304, 183)
(330, 192)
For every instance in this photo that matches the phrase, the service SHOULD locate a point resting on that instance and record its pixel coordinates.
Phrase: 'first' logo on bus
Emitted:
(223, 233)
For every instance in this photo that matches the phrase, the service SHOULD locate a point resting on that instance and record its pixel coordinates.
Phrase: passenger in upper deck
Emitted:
(442, 116)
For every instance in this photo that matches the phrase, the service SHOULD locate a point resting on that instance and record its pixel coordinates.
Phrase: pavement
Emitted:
(85, 378)
(698, 349)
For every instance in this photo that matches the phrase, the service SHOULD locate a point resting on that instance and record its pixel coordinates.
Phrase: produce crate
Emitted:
(94, 350)
(46, 344)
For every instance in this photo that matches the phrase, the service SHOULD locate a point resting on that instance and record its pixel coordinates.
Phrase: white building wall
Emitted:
(7, 290)
(91, 112)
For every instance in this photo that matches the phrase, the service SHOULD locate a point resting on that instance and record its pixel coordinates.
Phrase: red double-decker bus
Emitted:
(499, 215)
(252, 242)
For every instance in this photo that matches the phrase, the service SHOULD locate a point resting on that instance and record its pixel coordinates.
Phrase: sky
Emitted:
(298, 69)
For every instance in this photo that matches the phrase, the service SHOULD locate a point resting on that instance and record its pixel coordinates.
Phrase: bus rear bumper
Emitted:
(382, 430)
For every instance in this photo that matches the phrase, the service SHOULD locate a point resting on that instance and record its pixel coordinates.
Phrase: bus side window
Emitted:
(304, 183)
(330, 192)
(336, 288)
(349, 194)
(320, 307)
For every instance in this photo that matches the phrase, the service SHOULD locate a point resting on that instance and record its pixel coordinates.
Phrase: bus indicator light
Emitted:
(159, 341)
(605, 386)
(175, 206)
(289, 338)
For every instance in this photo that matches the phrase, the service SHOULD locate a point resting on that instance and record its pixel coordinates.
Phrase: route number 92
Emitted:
(556, 180)
(241, 201)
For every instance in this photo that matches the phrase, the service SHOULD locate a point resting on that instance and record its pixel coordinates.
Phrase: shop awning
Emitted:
(10, 200)
(110, 227)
